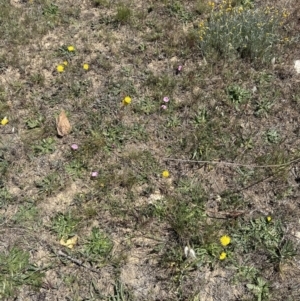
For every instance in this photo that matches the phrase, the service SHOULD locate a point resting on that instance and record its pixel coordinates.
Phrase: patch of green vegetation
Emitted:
(138, 166)
(5, 196)
(27, 214)
(121, 293)
(237, 95)
(45, 146)
(272, 136)
(260, 289)
(51, 184)
(264, 237)
(186, 218)
(65, 225)
(4, 164)
(16, 271)
(37, 122)
(76, 169)
(263, 107)
(143, 164)
(146, 106)
(37, 79)
(175, 8)
(160, 85)
(98, 245)
(124, 14)
(241, 32)
(208, 141)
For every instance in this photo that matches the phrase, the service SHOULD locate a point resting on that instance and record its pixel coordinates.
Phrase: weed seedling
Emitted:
(98, 245)
(64, 225)
(237, 95)
(15, 271)
(46, 146)
(123, 15)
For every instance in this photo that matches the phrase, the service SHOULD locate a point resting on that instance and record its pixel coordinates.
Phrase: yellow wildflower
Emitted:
(4, 121)
(269, 218)
(70, 243)
(71, 48)
(165, 174)
(126, 101)
(65, 63)
(86, 66)
(60, 68)
(223, 255)
(225, 240)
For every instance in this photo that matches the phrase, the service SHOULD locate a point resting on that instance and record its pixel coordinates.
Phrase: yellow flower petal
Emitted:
(60, 68)
(223, 255)
(70, 243)
(65, 63)
(4, 121)
(269, 218)
(225, 240)
(165, 174)
(126, 101)
(86, 66)
(71, 48)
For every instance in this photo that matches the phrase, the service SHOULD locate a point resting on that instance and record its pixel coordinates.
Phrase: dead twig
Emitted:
(233, 164)
(77, 262)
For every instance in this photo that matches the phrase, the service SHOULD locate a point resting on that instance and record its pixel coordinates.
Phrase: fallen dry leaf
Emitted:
(63, 125)
(70, 243)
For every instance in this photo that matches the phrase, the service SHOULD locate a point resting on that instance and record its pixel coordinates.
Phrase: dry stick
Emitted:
(76, 261)
(63, 254)
(232, 163)
(237, 164)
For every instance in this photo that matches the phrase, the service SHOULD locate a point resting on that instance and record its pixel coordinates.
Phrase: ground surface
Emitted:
(228, 137)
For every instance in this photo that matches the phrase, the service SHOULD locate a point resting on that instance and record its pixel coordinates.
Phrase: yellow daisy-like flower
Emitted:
(269, 218)
(4, 121)
(225, 240)
(60, 68)
(126, 101)
(223, 255)
(71, 48)
(86, 66)
(65, 63)
(165, 174)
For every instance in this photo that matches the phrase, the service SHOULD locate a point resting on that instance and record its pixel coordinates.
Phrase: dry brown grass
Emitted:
(132, 223)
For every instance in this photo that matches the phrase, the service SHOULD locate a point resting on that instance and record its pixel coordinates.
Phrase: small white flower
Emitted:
(192, 254)
(186, 251)
(297, 66)
(189, 252)
(273, 60)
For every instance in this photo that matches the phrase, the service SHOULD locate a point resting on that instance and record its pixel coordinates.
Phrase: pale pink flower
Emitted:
(166, 99)
(164, 107)
(74, 146)
(179, 68)
(94, 174)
